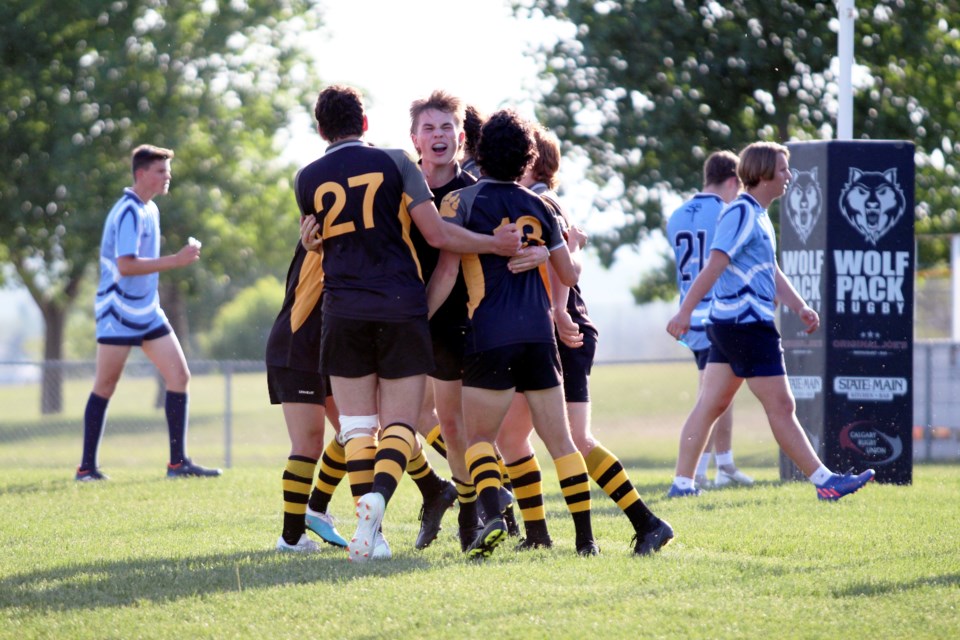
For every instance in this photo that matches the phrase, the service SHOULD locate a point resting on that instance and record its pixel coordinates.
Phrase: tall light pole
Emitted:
(847, 13)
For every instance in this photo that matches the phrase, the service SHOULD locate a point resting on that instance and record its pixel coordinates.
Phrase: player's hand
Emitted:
(576, 237)
(310, 233)
(506, 240)
(678, 325)
(189, 254)
(528, 258)
(810, 318)
(567, 330)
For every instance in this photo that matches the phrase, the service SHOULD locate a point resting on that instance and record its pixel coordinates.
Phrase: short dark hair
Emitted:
(146, 154)
(547, 164)
(720, 167)
(472, 121)
(439, 100)
(339, 112)
(506, 146)
(758, 161)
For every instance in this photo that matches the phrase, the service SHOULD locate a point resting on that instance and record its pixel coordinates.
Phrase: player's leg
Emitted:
(524, 470)
(330, 471)
(109, 368)
(165, 353)
(439, 494)
(719, 386)
(722, 437)
(305, 428)
(548, 411)
(483, 411)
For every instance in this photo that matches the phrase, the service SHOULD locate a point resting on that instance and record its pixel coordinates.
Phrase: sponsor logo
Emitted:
(805, 387)
(872, 202)
(865, 439)
(870, 343)
(868, 388)
(306, 392)
(803, 202)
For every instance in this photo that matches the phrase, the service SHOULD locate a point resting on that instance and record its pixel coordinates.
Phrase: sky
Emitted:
(396, 52)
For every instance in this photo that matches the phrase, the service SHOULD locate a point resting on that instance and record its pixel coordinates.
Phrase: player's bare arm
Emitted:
(505, 241)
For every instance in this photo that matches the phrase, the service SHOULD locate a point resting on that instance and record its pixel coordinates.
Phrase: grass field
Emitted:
(143, 557)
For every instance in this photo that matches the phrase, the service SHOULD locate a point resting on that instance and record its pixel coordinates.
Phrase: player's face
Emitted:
(155, 179)
(781, 176)
(437, 137)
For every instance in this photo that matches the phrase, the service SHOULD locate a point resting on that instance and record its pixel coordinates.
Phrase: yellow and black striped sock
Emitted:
(420, 471)
(606, 471)
(360, 452)
(333, 466)
(528, 490)
(297, 477)
(504, 474)
(575, 485)
(396, 444)
(467, 499)
(481, 460)
(435, 440)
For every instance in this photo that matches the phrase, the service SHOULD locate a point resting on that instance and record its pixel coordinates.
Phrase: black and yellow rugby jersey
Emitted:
(294, 340)
(504, 308)
(362, 198)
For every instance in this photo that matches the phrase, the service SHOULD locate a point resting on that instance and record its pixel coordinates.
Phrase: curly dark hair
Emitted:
(339, 112)
(472, 121)
(506, 146)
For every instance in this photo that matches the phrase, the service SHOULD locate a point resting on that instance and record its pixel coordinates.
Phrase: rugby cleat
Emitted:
(726, 479)
(431, 514)
(90, 475)
(839, 485)
(323, 525)
(534, 542)
(658, 537)
(370, 508)
(588, 548)
(187, 469)
(677, 492)
(303, 545)
(493, 533)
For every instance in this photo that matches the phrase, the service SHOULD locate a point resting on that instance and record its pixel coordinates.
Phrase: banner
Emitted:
(847, 245)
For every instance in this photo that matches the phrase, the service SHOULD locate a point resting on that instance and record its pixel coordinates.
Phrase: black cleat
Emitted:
(187, 469)
(653, 540)
(493, 533)
(90, 475)
(468, 535)
(511, 520)
(588, 548)
(534, 542)
(431, 514)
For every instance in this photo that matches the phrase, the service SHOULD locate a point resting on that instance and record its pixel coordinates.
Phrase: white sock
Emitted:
(725, 458)
(703, 464)
(683, 483)
(821, 475)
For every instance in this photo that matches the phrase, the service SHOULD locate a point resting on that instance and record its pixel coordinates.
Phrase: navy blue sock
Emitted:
(94, 419)
(176, 406)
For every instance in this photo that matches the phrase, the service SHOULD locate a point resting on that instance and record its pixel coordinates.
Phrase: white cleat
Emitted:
(381, 550)
(725, 479)
(362, 546)
(304, 545)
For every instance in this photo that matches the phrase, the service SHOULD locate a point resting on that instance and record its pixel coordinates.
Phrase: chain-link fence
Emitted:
(232, 422)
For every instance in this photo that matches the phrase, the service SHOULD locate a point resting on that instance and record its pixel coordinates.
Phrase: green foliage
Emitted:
(648, 88)
(84, 82)
(241, 326)
(659, 284)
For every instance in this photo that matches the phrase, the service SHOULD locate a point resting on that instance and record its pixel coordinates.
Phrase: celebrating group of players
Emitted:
(425, 300)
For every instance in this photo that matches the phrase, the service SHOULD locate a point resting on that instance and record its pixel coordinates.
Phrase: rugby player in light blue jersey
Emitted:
(128, 312)
(747, 285)
(690, 232)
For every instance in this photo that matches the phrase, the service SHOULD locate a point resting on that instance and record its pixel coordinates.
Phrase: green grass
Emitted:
(143, 557)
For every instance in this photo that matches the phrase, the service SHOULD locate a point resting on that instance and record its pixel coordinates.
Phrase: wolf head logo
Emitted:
(873, 202)
(803, 202)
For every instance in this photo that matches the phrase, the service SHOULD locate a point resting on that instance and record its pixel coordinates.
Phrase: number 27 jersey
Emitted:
(362, 196)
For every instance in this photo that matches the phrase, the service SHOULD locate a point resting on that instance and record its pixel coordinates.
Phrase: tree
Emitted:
(84, 82)
(648, 88)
